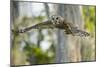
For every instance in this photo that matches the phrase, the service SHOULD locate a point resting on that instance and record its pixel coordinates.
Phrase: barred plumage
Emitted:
(60, 23)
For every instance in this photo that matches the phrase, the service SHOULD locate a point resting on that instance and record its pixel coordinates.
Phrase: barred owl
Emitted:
(60, 23)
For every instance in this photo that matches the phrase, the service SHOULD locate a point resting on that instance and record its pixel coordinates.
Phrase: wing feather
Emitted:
(42, 25)
(71, 29)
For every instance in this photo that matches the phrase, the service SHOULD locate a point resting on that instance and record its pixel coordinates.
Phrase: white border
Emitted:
(5, 33)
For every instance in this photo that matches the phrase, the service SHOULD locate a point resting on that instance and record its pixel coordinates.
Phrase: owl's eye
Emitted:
(56, 18)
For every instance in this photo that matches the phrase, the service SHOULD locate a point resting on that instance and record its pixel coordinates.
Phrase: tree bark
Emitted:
(68, 47)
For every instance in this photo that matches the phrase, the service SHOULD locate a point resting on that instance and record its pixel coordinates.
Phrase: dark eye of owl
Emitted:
(56, 18)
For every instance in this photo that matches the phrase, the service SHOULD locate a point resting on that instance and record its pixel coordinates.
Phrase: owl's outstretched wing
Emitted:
(71, 29)
(42, 25)
(77, 32)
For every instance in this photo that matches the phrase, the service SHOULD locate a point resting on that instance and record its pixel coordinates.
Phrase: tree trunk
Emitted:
(68, 47)
(74, 15)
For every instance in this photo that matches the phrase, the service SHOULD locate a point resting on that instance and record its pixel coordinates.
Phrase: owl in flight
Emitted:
(60, 23)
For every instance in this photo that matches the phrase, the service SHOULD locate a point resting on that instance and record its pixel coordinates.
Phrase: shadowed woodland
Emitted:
(47, 46)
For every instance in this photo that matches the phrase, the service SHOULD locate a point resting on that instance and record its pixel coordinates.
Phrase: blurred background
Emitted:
(46, 46)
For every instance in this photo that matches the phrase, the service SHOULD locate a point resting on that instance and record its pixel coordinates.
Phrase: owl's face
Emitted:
(56, 19)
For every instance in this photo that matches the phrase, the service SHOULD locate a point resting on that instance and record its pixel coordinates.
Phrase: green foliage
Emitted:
(89, 18)
(35, 55)
(88, 48)
(39, 18)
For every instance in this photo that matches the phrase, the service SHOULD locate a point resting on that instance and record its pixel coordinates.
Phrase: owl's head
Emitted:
(56, 19)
